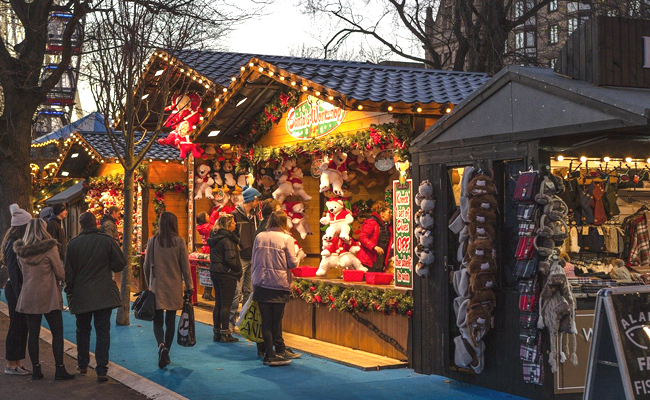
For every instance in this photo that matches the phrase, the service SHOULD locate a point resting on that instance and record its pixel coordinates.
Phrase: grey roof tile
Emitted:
(102, 144)
(356, 80)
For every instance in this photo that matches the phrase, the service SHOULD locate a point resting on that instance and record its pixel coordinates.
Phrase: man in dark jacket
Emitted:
(246, 219)
(90, 258)
(55, 226)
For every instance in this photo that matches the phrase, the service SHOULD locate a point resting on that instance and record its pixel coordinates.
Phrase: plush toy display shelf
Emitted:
(352, 275)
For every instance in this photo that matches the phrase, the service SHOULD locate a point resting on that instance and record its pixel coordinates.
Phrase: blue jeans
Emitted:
(245, 284)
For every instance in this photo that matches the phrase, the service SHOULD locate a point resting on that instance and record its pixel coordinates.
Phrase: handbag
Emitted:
(144, 306)
(186, 336)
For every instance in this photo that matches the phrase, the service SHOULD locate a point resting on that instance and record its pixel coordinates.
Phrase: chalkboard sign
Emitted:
(619, 360)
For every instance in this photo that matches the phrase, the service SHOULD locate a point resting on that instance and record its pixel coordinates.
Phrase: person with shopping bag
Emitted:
(166, 266)
(225, 272)
(274, 255)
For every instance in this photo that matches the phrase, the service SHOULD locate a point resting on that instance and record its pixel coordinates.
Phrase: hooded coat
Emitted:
(41, 267)
(55, 229)
(171, 266)
(109, 226)
(224, 254)
(89, 261)
(369, 238)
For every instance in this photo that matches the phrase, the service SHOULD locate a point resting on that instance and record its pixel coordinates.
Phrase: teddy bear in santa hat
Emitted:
(338, 218)
(296, 213)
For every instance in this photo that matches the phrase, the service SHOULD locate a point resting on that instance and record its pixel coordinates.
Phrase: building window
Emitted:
(553, 62)
(553, 34)
(634, 8)
(519, 40)
(552, 6)
(573, 25)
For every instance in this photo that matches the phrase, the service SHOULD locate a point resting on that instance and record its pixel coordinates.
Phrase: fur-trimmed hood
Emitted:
(34, 251)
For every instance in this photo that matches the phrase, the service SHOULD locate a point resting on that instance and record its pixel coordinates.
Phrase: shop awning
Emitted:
(71, 195)
(523, 103)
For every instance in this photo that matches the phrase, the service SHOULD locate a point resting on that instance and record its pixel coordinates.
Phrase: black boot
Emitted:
(61, 374)
(36, 372)
(226, 337)
(216, 335)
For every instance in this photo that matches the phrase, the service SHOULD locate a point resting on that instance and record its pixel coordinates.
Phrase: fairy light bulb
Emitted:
(560, 158)
(628, 159)
(583, 159)
(606, 159)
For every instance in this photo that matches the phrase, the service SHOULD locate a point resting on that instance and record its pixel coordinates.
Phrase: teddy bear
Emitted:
(347, 255)
(216, 173)
(203, 182)
(334, 173)
(300, 253)
(285, 188)
(265, 182)
(329, 256)
(338, 218)
(228, 175)
(295, 175)
(296, 213)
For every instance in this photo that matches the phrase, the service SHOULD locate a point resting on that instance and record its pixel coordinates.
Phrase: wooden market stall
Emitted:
(584, 137)
(279, 114)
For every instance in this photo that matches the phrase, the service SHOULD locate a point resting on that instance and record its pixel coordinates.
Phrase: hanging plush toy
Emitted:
(338, 218)
(266, 181)
(228, 175)
(216, 174)
(330, 256)
(184, 118)
(295, 175)
(334, 173)
(203, 227)
(347, 255)
(296, 213)
(285, 188)
(203, 182)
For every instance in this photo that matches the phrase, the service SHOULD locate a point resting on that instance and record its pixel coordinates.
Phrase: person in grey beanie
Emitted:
(246, 218)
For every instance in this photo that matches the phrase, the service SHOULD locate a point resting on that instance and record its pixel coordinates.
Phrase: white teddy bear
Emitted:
(204, 182)
(285, 186)
(338, 218)
(330, 256)
(295, 176)
(347, 256)
(334, 173)
(298, 218)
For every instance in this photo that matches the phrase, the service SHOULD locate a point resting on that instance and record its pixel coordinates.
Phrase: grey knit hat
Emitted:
(19, 217)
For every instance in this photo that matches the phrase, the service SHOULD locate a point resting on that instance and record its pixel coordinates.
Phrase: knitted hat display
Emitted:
(19, 217)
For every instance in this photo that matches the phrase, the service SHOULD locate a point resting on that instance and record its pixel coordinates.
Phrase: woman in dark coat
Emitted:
(225, 271)
(167, 252)
(376, 238)
(16, 342)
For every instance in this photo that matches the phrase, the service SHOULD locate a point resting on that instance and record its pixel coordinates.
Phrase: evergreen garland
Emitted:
(353, 300)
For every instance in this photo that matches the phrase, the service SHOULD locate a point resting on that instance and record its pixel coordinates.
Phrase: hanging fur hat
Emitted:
(478, 231)
(482, 281)
(481, 215)
(485, 202)
(478, 265)
(481, 249)
(481, 185)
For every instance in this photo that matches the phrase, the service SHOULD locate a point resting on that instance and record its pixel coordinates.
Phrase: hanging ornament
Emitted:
(384, 161)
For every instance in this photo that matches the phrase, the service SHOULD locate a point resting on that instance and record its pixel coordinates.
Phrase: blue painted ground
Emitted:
(232, 371)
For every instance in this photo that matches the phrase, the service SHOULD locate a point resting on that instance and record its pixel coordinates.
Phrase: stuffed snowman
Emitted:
(338, 218)
(333, 173)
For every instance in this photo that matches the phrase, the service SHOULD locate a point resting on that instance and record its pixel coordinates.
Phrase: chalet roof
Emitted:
(101, 143)
(358, 80)
(525, 103)
(91, 122)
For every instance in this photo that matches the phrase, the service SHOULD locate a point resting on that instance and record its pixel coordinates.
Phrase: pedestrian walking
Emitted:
(40, 264)
(274, 255)
(246, 219)
(225, 272)
(92, 294)
(167, 255)
(376, 238)
(16, 342)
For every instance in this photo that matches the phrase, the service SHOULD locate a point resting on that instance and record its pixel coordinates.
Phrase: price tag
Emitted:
(585, 230)
(600, 231)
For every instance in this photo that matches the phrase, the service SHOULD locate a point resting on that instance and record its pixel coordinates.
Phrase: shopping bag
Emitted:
(144, 306)
(243, 311)
(186, 334)
(250, 325)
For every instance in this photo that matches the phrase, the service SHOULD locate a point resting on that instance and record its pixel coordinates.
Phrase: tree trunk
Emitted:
(123, 316)
(15, 142)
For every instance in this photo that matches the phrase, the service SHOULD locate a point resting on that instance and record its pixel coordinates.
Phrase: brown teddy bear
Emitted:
(482, 281)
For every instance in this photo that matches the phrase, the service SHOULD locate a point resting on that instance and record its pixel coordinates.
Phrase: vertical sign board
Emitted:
(190, 204)
(403, 230)
(619, 360)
